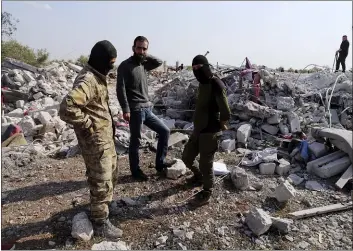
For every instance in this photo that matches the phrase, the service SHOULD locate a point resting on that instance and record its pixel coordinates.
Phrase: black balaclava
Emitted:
(203, 74)
(101, 55)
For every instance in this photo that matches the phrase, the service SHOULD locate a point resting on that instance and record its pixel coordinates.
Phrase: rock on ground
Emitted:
(240, 178)
(285, 192)
(109, 245)
(177, 170)
(258, 221)
(243, 133)
(82, 228)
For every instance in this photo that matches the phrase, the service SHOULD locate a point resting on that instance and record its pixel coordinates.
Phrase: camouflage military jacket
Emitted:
(86, 108)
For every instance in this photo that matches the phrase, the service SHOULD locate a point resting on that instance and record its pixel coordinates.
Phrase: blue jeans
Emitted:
(146, 116)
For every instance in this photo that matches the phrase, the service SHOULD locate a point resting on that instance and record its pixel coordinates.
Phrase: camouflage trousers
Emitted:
(205, 144)
(101, 172)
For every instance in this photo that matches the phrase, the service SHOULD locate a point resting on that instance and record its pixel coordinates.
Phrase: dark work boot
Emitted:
(107, 230)
(140, 176)
(165, 165)
(195, 180)
(202, 198)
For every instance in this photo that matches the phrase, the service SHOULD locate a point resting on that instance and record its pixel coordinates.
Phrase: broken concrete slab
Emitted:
(258, 221)
(346, 176)
(174, 138)
(318, 149)
(273, 130)
(17, 113)
(82, 228)
(243, 133)
(27, 125)
(282, 225)
(74, 67)
(283, 167)
(324, 160)
(285, 103)
(275, 119)
(332, 168)
(285, 192)
(267, 168)
(294, 122)
(176, 170)
(342, 139)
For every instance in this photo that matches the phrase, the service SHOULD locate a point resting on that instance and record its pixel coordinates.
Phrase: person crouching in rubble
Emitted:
(86, 108)
(211, 115)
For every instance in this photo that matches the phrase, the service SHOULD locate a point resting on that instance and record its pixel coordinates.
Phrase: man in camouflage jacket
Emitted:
(86, 108)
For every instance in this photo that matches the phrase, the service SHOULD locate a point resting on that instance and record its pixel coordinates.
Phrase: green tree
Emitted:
(8, 24)
(290, 70)
(82, 60)
(15, 50)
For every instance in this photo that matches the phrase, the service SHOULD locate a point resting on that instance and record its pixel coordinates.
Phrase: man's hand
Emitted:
(224, 125)
(126, 116)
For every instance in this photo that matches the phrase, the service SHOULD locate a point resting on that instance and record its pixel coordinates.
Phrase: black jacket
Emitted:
(344, 48)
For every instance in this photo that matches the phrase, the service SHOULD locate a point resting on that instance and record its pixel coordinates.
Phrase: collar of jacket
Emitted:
(95, 72)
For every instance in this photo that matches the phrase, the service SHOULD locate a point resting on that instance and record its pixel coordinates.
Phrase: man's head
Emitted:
(103, 56)
(344, 38)
(140, 47)
(201, 69)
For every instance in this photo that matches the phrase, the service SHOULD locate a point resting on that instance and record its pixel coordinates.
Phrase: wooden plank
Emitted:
(347, 175)
(320, 210)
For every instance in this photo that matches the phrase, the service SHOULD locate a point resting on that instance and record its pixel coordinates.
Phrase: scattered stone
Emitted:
(17, 113)
(283, 167)
(243, 133)
(313, 185)
(285, 192)
(273, 130)
(228, 145)
(258, 221)
(179, 233)
(27, 125)
(51, 243)
(267, 168)
(285, 103)
(294, 122)
(161, 240)
(108, 245)
(295, 179)
(189, 235)
(82, 228)
(303, 245)
(274, 120)
(283, 225)
(20, 104)
(240, 178)
(177, 170)
(129, 201)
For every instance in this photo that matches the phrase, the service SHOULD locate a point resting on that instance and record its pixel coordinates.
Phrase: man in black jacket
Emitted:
(132, 92)
(343, 53)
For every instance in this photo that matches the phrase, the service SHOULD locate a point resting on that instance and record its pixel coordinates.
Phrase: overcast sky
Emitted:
(289, 34)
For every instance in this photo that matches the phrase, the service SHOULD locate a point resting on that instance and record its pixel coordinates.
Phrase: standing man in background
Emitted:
(132, 92)
(86, 107)
(343, 53)
(211, 115)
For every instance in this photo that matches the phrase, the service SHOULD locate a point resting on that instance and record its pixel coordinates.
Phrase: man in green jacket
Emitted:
(86, 108)
(211, 115)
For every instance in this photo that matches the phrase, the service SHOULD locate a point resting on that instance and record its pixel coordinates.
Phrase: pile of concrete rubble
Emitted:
(280, 122)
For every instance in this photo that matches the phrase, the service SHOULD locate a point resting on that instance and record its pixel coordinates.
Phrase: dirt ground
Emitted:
(39, 201)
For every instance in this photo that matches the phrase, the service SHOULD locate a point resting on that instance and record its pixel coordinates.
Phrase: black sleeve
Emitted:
(344, 47)
(121, 90)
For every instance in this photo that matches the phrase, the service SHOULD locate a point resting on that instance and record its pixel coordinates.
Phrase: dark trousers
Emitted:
(205, 144)
(146, 116)
(341, 60)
